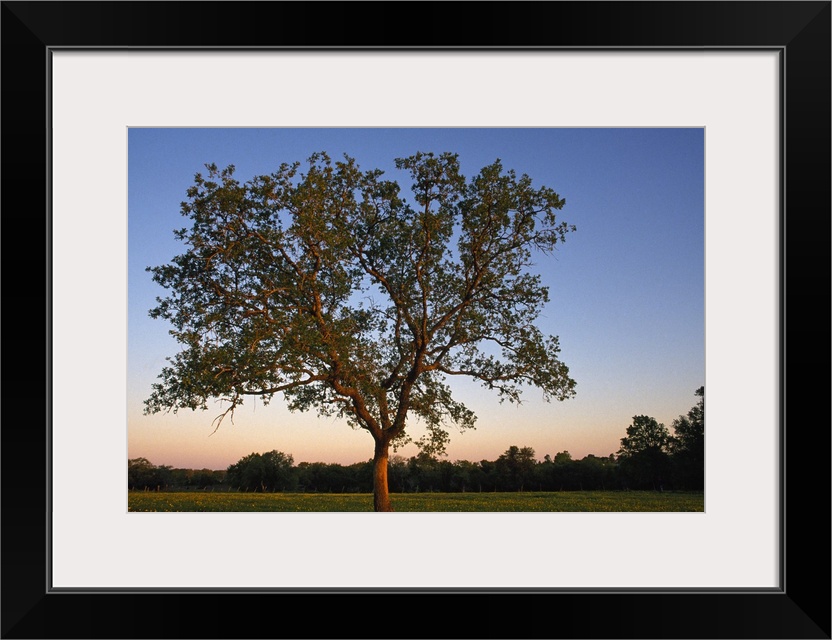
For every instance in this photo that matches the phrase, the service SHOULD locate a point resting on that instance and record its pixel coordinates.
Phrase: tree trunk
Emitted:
(381, 494)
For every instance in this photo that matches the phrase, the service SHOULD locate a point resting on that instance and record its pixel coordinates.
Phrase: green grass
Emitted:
(566, 501)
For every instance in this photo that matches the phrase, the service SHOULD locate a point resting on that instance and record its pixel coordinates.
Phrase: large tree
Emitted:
(330, 288)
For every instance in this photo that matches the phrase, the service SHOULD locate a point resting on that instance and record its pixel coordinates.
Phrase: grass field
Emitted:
(566, 501)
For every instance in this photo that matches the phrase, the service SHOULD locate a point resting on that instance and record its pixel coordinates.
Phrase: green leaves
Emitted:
(325, 285)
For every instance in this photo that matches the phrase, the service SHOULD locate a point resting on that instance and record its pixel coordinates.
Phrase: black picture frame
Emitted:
(799, 31)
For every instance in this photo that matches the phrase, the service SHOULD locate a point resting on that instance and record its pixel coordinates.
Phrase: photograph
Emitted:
(416, 319)
(477, 316)
(299, 263)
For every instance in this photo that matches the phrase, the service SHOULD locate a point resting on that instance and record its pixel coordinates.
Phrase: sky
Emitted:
(626, 288)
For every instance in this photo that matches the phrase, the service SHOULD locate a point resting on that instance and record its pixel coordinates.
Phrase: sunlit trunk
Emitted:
(381, 493)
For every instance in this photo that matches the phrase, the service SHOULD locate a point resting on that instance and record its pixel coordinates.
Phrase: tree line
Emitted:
(650, 457)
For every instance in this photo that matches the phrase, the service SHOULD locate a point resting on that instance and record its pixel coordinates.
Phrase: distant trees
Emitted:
(397, 473)
(468, 476)
(563, 473)
(270, 471)
(515, 468)
(143, 474)
(644, 454)
(688, 446)
(196, 478)
(319, 476)
(650, 457)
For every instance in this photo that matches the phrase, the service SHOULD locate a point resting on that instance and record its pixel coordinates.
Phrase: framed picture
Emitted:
(754, 76)
(542, 451)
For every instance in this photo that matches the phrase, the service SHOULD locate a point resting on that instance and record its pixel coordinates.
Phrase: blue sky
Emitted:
(626, 289)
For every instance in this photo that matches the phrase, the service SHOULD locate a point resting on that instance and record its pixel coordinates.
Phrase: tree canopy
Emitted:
(270, 471)
(330, 288)
(644, 452)
(689, 444)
